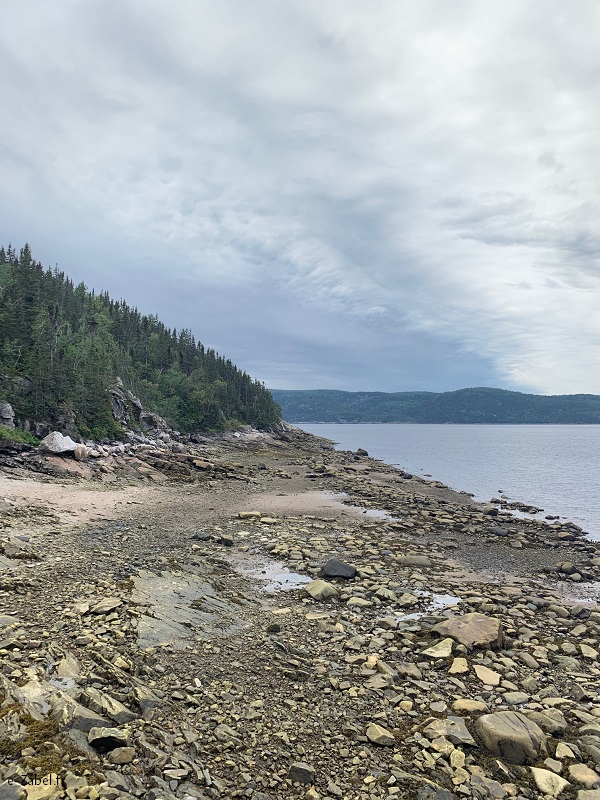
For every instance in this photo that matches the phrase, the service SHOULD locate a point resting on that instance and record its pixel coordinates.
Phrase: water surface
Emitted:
(555, 467)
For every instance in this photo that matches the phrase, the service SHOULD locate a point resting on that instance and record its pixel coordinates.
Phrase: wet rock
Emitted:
(334, 568)
(472, 630)
(512, 736)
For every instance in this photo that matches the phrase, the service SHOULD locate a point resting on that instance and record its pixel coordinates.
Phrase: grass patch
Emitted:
(17, 435)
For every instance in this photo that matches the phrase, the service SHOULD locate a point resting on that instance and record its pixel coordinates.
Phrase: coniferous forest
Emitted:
(70, 344)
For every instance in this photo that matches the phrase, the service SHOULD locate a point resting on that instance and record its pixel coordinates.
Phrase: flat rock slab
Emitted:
(472, 630)
(512, 736)
(451, 728)
(548, 782)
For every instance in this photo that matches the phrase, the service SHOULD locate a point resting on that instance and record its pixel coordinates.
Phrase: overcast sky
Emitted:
(353, 194)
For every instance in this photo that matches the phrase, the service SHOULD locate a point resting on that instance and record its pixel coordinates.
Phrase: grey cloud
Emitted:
(334, 194)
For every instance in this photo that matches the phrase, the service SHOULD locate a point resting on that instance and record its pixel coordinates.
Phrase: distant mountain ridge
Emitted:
(464, 406)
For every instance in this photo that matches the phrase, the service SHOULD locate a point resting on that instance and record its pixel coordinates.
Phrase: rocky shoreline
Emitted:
(261, 616)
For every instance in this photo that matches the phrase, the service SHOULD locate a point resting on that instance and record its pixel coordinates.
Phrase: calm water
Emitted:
(555, 467)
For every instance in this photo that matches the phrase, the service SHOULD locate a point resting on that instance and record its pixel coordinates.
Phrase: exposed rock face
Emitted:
(473, 630)
(7, 415)
(126, 407)
(512, 736)
(56, 443)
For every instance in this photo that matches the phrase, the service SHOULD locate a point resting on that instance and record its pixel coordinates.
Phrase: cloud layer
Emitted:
(348, 195)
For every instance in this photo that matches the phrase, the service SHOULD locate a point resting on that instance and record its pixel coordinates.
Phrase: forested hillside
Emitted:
(64, 346)
(480, 405)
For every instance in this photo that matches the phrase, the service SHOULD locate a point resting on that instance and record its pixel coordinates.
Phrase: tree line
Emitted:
(71, 344)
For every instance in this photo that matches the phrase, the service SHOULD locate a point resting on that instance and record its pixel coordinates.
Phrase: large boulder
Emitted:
(58, 444)
(512, 736)
(472, 630)
(7, 415)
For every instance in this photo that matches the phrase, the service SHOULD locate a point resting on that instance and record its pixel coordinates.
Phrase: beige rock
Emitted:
(379, 735)
(588, 652)
(121, 755)
(321, 590)
(358, 602)
(487, 676)
(106, 605)
(467, 705)
(549, 783)
(564, 751)
(442, 649)
(583, 774)
(49, 786)
(459, 666)
(472, 630)
(80, 453)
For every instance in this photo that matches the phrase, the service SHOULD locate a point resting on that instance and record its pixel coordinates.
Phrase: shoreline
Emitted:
(145, 601)
(484, 485)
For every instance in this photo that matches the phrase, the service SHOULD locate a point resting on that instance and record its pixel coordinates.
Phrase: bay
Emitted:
(555, 467)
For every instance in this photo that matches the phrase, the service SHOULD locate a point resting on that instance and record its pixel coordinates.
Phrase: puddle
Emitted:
(182, 607)
(436, 603)
(276, 574)
(366, 512)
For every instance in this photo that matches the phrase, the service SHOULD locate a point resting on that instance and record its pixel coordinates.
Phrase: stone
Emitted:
(7, 415)
(442, 649)
(550, 720)
(472, 630)
(12, 791)
(580, 773)
(548, 782)
(358, 602)
(467, 705)
(301, 773)
(106, 739)
(81, 453)
(58, 444)
(321, 590)
(451, 728)
(379, 735)
(106, 605)
(414, 561)
(515, 698)
(121, 755)
(512, 736)
(588, 794)
(487, 675)
(46, 787)
(68, 713)
(459, 666)
(334, 568)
